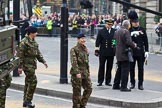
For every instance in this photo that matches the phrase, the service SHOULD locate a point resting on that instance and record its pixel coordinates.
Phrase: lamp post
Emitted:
(16, 17)
(64, 43)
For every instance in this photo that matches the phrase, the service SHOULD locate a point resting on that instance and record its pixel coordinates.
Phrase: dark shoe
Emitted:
(100, 84)
(132, 86)
(108, 84)
(116, 88)
(140, 87)
(28, 104)
(125, 90)
(76, 106)
(81, 106)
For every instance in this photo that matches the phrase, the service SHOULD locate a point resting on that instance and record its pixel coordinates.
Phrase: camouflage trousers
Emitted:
(30, 84)
(4, 85)
(2, 96)
(77, 84)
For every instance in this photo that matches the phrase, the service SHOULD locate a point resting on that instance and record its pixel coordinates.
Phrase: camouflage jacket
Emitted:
(29, 53)
(79, 61)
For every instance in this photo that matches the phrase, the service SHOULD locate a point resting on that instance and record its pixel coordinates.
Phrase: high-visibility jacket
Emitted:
(74, 24)
(49, 25)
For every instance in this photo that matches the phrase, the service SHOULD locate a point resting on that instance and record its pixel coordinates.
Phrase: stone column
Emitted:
(141, 3)
(150, 24)
(116, 8)
(133, 1)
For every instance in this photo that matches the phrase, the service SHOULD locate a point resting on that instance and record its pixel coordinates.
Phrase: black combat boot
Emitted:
(28, 104)
(81, 106)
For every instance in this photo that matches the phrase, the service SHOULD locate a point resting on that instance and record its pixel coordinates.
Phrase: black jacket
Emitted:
(104, 42)
(23, 29)
(139, 36)
(158, 31)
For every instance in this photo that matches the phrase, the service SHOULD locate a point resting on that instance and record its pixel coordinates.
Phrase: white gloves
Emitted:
(146, 55)
(136, 33)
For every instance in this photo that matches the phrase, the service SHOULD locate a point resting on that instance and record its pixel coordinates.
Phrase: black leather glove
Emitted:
(96, 52)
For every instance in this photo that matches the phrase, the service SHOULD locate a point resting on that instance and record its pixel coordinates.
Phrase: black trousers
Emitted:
(108, 60)
(122, 73)
(140, 62)
(50, 33)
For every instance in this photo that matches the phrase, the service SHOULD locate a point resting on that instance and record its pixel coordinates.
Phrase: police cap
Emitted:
(109, 21)
(80, 35)
(31, 29)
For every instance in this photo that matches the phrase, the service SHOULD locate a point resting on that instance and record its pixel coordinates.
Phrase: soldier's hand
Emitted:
(78, 75)
(96, 52)
(20, 70)
(46, 65)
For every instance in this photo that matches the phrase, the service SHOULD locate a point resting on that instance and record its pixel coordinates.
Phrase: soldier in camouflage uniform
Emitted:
(4, 85)
(80, 75)
(29, 53)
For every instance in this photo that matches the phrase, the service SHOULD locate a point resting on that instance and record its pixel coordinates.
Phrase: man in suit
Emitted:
(124, 41)
(105, 50)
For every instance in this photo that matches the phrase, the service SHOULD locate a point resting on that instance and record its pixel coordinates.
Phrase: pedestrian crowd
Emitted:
(82, 20)
(75, 21)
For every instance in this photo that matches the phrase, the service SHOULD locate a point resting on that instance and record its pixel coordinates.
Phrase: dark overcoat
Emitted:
(123, 38)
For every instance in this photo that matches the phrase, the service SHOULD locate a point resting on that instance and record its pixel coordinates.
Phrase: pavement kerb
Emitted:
(93, 99)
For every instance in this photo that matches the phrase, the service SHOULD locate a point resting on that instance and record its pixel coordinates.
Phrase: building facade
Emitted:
(155, 5)
(101, 7)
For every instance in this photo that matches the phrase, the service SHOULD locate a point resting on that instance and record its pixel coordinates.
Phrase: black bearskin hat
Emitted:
(132, 15)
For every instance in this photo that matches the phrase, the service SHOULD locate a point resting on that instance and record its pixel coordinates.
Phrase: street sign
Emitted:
(38, 11)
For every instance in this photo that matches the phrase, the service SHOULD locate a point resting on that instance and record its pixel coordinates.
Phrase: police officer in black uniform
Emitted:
(105, 50)
(140, 54)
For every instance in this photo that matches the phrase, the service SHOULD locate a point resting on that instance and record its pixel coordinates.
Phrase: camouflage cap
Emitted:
(80, 35)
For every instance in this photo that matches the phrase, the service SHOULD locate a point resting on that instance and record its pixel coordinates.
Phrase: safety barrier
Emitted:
(42, 31)
(155, 42)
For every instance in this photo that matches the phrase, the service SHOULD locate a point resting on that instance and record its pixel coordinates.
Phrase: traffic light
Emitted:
(86, 4)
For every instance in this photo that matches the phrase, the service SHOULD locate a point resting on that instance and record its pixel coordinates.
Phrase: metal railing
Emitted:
(155, 42)
(42, 31)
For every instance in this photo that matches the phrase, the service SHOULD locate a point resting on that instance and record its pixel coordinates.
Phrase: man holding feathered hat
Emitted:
(140, 54)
